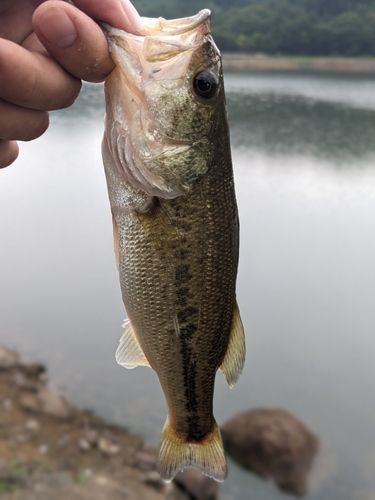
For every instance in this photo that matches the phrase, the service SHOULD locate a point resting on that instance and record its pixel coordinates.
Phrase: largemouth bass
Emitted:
(168, 166)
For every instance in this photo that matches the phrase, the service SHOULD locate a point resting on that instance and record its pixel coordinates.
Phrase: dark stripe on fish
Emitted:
(188, 328)
(189, 371)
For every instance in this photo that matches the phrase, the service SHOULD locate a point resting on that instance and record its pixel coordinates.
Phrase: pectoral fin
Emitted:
(129, 353)
(234, 359)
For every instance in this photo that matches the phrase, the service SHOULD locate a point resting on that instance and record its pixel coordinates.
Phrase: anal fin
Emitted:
(129, 353)
(234, 359)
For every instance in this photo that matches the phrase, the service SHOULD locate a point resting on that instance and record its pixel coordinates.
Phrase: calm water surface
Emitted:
(304, 159)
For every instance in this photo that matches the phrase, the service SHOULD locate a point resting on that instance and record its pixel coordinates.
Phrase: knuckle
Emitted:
(36, 127)
(30, 88)
(71, 93)
(48, 86)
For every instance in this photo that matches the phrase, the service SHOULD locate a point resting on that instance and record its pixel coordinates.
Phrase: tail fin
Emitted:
(176, 454)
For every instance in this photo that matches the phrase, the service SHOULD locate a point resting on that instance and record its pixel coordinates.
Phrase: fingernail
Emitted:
(57, 27)
(134, 18)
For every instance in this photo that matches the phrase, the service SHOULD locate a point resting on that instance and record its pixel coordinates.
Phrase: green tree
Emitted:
(316, 27)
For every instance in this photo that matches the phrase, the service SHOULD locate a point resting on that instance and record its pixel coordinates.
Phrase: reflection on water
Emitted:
(306, 115)
(304, 165)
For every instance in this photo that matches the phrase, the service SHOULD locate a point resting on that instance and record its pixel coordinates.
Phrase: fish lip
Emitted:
(182, 25)
(167, 27)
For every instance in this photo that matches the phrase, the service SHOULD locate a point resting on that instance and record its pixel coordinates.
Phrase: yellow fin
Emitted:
(234, 359)
(129, 353)
(176, 454)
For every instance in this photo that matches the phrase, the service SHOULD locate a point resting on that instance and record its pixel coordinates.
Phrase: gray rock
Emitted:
(108, 447)
(197, 485)
(43, 449)
(21, 381)
(84, 445)
(7, 404)
(21, 438)
(8, 358)
(273, 444)
(150, 449)
(46, 401)
(145, 461)
(153, 479)
(92, 437)
(53, 404)
(110, 486)
(43, 484)
(173, 492)
(43, 378)
(33, 370)
(63, 441)
(30, 402)
(32, 426)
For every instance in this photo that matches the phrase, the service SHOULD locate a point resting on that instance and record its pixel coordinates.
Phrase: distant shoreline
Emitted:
(260, 62)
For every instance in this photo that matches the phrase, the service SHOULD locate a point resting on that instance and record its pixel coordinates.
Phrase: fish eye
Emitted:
(206, 84)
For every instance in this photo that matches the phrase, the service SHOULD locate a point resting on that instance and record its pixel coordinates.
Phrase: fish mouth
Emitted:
(164, 27)
(173, 27)
(162, 39)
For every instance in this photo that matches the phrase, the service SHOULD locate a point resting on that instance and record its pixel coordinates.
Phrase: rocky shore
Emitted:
(50, 450)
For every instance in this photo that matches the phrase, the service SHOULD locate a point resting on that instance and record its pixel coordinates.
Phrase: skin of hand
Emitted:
(46, 49)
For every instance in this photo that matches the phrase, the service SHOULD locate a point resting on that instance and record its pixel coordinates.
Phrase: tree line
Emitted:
(287, 27)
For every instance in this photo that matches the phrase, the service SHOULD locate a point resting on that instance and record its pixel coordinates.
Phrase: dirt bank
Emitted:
(51, 450)
(251, 62)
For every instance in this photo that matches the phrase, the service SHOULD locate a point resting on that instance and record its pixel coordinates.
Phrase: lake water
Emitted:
(304, 161)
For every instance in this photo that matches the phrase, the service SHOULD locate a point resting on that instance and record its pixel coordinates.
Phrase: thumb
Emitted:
(74, 40)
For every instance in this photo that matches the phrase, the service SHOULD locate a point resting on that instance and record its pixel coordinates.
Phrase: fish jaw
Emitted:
(157, 130)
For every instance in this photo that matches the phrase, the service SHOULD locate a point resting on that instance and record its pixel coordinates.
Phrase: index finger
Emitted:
(34, 80)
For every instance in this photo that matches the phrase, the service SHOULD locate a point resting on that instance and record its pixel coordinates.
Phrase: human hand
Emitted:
(46, 49)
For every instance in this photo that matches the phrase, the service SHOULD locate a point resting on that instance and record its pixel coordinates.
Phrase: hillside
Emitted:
(287, 27)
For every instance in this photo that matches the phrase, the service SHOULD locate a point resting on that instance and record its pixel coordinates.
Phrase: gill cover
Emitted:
(160, 105)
